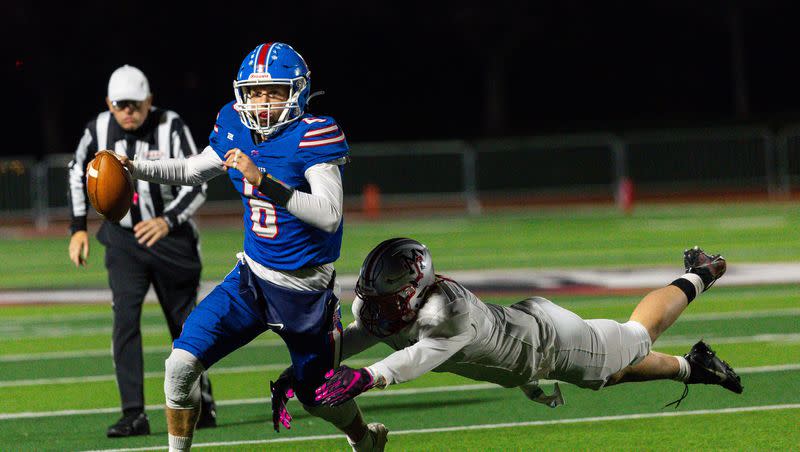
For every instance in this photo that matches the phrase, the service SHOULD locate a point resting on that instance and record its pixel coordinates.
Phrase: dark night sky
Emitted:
(416, 71)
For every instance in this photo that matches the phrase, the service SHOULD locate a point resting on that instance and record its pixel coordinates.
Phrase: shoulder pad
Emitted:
(442, 313)
(226, 114)
(319, 131)
(321, 141)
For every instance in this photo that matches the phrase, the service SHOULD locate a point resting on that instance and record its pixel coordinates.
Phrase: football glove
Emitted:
(343, 384)
(280, 393)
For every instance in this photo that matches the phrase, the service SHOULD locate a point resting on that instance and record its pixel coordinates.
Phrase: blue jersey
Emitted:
(274, 237)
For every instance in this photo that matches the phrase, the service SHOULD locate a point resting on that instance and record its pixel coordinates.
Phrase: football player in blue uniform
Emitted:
(287, 166)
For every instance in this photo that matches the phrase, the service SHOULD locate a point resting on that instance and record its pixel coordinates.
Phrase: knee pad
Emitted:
(182, 380)
(340, 416)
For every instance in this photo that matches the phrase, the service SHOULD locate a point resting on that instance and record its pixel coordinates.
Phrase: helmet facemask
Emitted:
(384, 315)
(258, 116)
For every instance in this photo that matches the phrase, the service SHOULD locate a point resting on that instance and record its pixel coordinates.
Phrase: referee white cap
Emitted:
(128, 83)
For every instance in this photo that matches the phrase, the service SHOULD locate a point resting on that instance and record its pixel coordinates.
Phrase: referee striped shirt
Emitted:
(163, 135)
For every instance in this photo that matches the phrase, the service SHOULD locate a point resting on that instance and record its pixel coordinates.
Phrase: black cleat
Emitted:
(708, 267)
(708, 369)
(208, 416)
(130, 425)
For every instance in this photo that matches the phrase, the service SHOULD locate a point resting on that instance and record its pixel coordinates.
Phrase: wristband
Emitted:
(275, 189)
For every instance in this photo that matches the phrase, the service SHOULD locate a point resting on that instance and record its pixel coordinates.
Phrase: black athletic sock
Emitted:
(691, 284)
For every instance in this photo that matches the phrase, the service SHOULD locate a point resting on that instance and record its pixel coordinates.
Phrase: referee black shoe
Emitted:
(708, 267)
(130, 425)
(708, 369)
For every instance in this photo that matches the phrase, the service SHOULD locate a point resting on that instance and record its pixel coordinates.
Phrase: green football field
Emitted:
(57, 389)
(545, 238)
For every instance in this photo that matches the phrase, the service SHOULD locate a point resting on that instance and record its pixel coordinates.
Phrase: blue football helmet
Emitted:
(272, 63)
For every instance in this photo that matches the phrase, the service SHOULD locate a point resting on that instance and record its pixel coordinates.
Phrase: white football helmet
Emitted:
(392, 284)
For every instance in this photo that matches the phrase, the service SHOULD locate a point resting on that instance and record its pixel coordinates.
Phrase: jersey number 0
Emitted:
(262, 214)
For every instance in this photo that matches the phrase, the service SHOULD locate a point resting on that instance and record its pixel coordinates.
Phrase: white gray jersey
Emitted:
(508, 345)
(456, 332)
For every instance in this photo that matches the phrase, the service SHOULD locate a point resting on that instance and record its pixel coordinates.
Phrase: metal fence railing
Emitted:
(729, 158)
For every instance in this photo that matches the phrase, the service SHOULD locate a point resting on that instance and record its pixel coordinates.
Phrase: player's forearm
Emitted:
(192, 171)
(414, 361)
(322, 208)
(316, 211)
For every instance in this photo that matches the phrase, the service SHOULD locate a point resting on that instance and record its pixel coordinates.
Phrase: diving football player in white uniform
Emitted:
(435, 324)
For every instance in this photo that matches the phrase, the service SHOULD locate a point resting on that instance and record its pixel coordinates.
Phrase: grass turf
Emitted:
(730, 431)
(39, 343)
(565, 237)
(438, 409)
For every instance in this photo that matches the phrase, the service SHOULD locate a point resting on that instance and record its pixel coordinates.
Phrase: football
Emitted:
(109, 186)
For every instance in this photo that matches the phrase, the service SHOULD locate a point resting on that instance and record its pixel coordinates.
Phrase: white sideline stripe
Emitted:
(687, 340)
(738, 315)
(251, 401)
(111, 377)
(461, 428)
(367, 361)
(764, 369)
(267, 343)
(607, 277)
(387, 393)
(78, 316)
(61, 332)
(99, 352)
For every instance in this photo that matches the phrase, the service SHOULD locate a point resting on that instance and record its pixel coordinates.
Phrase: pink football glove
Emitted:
(343, 384)
(280, 392)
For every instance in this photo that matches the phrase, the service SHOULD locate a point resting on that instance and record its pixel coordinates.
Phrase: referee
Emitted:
(156, 243)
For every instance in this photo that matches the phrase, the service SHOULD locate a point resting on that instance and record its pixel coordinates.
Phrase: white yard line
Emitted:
(461, 428)
(387, 393)
(111, 377)
(251, 401)
(690, 340)
(787, 312)
(65, 331)
(677, 341)
(99, 352)
(78, 316)
(61, 332)
(515, 278)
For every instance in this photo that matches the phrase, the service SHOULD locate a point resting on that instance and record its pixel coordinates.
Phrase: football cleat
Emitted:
(708, 267)
(380, 436)
(130, 425)
(707, 368)
(208, 416)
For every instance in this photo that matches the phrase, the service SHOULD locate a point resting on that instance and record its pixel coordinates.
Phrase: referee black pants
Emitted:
(131, 271)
